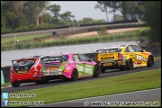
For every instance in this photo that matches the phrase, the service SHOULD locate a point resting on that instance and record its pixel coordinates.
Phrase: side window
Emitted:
(65, 58)
(76, 58)
(83, 58)
(137, 49)
(129, 49)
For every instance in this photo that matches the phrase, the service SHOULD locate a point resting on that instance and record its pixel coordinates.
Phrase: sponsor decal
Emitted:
(138, 57)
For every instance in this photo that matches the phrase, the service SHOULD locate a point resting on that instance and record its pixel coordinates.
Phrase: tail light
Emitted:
(120, 56)
(96, 58)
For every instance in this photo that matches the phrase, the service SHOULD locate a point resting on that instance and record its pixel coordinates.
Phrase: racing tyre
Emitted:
(129, 64)
(122, 68)
(74, 75)
(96, 71)
(150, 61)
(15, 84)
(103, 70)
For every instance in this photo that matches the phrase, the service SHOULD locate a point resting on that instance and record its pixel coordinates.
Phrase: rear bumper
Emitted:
(113, 64)
(25, 77)
(36, 77)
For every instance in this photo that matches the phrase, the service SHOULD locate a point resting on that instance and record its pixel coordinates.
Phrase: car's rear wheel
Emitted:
(74, 75)
(129, 64)
(97, 71)
(103, 70)
(150, 61)
(122, 68)
(15, 84)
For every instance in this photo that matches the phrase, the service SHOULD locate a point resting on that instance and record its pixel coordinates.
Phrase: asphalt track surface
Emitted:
(108, 73)
(137, 98)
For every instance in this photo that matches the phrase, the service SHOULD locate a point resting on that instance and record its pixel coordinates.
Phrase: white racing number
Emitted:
(138, 57)
(80, 68)
(88, 70)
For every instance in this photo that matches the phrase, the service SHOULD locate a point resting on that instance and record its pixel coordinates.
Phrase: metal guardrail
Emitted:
(74, 29)
(69, 26)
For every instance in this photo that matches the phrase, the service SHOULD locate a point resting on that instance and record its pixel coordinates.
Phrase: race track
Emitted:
(108, 73)
(137, 98)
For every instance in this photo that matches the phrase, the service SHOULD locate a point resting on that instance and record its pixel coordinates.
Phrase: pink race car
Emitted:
(44, 68)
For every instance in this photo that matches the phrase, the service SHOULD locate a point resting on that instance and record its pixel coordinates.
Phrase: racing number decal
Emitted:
(138, 57)
(80, 68)
(88, 70)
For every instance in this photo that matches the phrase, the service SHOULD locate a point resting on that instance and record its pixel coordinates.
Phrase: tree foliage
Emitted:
(152, 17)
(148, 11)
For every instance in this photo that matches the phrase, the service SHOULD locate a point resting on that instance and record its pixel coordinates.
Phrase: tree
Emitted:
(55, 11)
(33, 9)
(114, 5)
(45, 18)
(152, 16)
(103, 7)
(86, 21)
(67, 16)
(13, 17)
(118, 17)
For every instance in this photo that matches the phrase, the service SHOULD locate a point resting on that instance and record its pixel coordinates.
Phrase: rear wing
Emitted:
(14, 61)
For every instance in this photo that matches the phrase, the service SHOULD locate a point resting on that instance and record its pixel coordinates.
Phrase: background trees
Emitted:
(24, 15)
(152, 16)
(148, 11)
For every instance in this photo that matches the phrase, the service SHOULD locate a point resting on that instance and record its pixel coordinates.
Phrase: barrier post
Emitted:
(2, 78)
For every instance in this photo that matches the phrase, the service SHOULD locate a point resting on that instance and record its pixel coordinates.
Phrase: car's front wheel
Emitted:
(150, 61)
(97, 71)
(15, 84)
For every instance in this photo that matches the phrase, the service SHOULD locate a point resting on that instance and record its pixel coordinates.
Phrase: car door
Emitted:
(130, 53)
(140, 57)
(79, 65)
(88, 67)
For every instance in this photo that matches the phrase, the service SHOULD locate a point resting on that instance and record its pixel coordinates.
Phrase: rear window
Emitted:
(109, 50)
(23, 63)
(53, 59)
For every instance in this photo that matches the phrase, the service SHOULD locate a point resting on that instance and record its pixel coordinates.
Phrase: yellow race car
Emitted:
(124, 57)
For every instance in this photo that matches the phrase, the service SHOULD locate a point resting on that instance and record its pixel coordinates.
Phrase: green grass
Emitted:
(157, 57)
(5, 84)
(105, 86)
(22, 38)
(92, 39)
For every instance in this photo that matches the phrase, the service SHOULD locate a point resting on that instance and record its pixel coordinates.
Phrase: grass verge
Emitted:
(22, 38)
(5, 84)
(131, 35)
(105, 86)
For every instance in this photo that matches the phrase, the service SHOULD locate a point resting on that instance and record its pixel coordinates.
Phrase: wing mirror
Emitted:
(143, 50)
